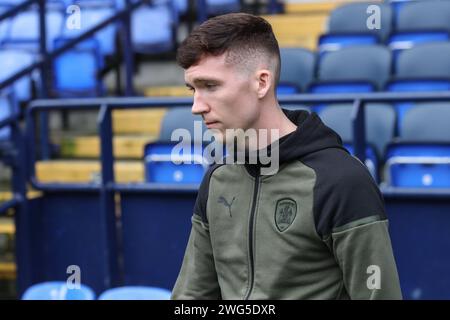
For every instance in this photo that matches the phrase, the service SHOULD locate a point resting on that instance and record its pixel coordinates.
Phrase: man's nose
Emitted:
(199, 106)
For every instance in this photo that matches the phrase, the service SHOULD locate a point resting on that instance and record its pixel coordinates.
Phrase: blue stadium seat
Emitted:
(217, 7)
(57, 290)
(419, 22)
(24, 30)
(336, 41)
(12, 61)
(92, 16)
(158, 161)
(425, 67)
(297, 70)
(75, 72)
(421, 157)
(380, 124)
(181, 6)
(164, 21)
(347, 26)
(363, 63)
(164, 165)
(352, 70)
(136, 293)
(180, 117)
(4, 25)
(341, 87)
(296, 107)
(418, 165)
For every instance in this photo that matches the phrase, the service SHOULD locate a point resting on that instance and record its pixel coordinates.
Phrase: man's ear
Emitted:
(264, 80)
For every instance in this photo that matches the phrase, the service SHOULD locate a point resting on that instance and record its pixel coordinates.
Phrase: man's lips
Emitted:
(211, 123)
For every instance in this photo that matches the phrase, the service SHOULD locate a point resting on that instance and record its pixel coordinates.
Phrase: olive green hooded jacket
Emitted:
(317, 229)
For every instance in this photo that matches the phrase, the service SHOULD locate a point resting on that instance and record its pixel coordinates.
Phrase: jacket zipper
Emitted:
(250, 237)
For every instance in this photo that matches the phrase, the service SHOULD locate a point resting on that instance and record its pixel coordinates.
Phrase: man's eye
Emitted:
(210, 85)
(191, 89)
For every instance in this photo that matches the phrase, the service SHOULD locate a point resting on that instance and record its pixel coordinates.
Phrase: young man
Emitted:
(315, 229)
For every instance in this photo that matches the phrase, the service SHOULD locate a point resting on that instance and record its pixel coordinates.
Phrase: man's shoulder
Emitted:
(338, 168)
(344, 191)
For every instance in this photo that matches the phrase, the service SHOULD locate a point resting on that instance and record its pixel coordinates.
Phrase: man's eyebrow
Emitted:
(199, 81)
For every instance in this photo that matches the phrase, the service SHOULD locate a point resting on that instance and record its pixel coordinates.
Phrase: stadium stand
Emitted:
(426, 67)
(58, 291)
(380, 125)
(420, 158)
(297, 70)
(135, 293)
(348, 26)
(90, 175)
(420, 21)
(14, 60)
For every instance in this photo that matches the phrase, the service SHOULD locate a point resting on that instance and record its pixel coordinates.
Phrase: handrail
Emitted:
(16, 9)
(109, 104)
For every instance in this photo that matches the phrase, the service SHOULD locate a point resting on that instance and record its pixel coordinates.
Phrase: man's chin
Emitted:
(219, 135)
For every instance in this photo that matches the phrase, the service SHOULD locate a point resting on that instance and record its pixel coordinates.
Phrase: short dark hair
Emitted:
(241, 35)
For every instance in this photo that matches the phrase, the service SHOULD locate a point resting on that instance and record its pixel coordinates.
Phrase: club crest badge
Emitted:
(285, 213)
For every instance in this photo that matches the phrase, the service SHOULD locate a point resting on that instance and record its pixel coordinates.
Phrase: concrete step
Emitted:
(125, 147)
(79, 171)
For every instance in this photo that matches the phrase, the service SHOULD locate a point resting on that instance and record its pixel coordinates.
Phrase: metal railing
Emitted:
(106, 105)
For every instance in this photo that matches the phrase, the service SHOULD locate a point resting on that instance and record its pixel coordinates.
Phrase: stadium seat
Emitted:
(159, 162)
(12, 61)
(380, 124)
(347, 26)
(164, 21)
(173, 164)
(208, 8)
(363, 63)
(136, 293)
(419, 22)
(58, 290)
(426, 67)
(76, 70)
(421, 157)
(352, 70)
(217, 7)
(24, 30)
(429, 60)
(92, 16)
(180, 118)
(4, 25)
(297, 70)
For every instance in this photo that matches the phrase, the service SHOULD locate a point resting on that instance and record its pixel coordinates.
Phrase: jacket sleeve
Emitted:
(197, 278)
(350, 217)
(365, 256)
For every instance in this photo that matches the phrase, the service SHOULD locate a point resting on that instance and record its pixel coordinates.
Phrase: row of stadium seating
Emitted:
(363, 68)
(419, 158)
(367, 68)
(58, 290)
(76, 71)
(73, 79)
(400, 24)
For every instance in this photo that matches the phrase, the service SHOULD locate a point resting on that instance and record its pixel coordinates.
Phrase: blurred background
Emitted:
(90, 94)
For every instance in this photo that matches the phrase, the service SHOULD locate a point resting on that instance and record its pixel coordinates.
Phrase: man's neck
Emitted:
(276, 123)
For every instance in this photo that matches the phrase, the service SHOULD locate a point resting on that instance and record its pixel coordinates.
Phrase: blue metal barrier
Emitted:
(148, 247)
(19, 202)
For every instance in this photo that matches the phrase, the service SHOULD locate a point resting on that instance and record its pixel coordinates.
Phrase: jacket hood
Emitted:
(312, 135)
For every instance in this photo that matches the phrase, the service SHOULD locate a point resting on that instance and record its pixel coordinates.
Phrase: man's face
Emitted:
(224, 96)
